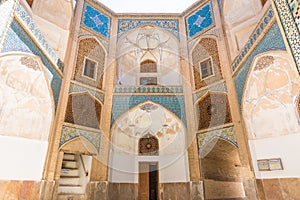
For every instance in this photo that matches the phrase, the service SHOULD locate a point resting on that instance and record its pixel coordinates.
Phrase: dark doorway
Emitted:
(153, 182)
(148, 181)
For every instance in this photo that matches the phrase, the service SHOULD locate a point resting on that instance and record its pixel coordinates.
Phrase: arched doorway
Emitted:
(148, 150)
(220, 169)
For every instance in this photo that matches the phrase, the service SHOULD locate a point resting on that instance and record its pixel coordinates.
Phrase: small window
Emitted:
(148, 66)
(89, 68)
(148, 81)
(206, 68)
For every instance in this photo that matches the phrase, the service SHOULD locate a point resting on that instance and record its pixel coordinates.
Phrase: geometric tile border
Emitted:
(253, 38)
(226, 133)
(34, 30)
(148, 89)
(122, 103)
(78, 88)
(271, 41)
(69, 132)
(290, 29)
(125, 25)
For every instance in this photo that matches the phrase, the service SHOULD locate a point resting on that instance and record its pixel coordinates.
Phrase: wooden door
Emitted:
(143, 181)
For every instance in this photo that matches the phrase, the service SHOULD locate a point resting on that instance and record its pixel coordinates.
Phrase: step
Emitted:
(70, 197)
(69, 172)
(69, 165)
(69, 157)
(70, 190)
(69, 181)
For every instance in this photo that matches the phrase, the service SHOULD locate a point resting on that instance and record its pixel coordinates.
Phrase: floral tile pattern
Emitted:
(96, 21)
(200, 20)
(126, 25)
(227, 134)
(70, 133)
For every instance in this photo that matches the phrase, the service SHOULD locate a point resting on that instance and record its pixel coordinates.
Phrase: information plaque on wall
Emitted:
(269, 164)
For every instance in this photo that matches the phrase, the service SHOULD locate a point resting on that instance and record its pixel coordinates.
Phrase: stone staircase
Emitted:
(71, 179)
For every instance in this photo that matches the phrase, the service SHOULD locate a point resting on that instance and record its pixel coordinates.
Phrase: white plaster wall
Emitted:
(285, 147)
(159, 122)
(133, 49)
(22, 159)
(124, 168)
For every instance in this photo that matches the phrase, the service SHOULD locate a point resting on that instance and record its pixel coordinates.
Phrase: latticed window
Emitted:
(148, 145)
(206, 68)
(148, 66)
(148, 81)
(89, 68)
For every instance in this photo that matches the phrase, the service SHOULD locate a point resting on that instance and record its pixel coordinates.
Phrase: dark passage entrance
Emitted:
(148, 181)
(153, 182)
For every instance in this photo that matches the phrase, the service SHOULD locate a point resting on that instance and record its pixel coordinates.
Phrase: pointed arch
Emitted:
(205, 62)
(90, 62)
(83, 109)
(271, 89)
(213, 110)
(24, 73)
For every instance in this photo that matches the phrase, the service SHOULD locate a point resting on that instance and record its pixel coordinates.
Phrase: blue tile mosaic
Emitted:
(227, 133)
(253, 38)
(96, 21)
(148, 89)
(125, 25)
(200, 20)
(19, 41)
(69, 133)
(123, 103)
(271, 41)
(290, 19)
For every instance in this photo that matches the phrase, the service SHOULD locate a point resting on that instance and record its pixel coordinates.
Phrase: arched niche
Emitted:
(26, 99)
(26, 114)
(270, 96)
(148, 42)
(90, 62)
(206, 62)
(220, 167)
(213, 110)
(142, 122)
(84, 110)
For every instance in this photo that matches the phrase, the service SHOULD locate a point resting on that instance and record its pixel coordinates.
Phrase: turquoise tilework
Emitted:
(125, 25)
(123, 103)
(69, 133)
(19, 41)
(148, 89)
(96, 21)
(253, 38)
(295, 8)
(271, 41)
(200, 20)
(227, 133)
(28, 22)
